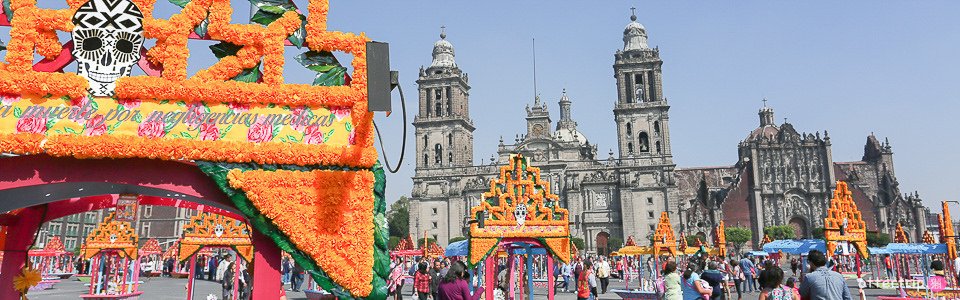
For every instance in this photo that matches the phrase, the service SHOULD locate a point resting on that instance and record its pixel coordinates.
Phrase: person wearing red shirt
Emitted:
(421, 282)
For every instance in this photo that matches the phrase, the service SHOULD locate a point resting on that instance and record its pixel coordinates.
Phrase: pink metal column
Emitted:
(266, 268)
(552, 280)
(19, 239)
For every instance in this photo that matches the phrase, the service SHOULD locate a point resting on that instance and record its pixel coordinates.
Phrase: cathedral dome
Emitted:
(634, 35)
(570, 135)
(766, 131)
(443, 53)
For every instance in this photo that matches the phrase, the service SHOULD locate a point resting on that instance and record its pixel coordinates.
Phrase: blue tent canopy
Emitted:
(757, 253)
(878, 251)
(457, 249)
(795, 247)
(900, 248)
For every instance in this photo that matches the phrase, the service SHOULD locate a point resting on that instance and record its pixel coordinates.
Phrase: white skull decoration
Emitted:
(113, 238)
(520, 213)
(107, 38)
(218, 230)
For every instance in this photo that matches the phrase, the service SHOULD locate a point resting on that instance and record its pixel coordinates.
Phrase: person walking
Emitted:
(746, 265)
(454, 285)
(672, 289)
(212, 268)
(586, 282)
(285, 271)
(567, 272)
(396, 280)
(713, 276)
(421, 282)
(737, 274)
(603, 272)
(226, 277)
(822, 283)
(435, 277)
(771, 287)
(297, 277)
(692, 287)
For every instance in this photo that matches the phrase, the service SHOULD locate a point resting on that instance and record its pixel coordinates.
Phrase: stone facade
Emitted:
(781, 176)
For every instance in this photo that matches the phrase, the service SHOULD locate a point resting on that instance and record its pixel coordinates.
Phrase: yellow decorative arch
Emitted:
(947, 234)
(111, 234)
(663, 238)
(519, 205)
(208, 229)
(720, 240)
(844, 222)
(901, 236)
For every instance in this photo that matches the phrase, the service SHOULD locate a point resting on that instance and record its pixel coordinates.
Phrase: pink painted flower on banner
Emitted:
(209, 132)
(8, 99)
(32, 124)
(313, 135)
(238, 107)
(153, 129)
(130, 104)
(352, 138)
(95, 126)
(196, 115)
(299, 117)
(340, 112)
(260, 132)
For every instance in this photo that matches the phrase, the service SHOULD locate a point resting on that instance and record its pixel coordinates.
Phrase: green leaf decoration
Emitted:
(181, 103)
(201, 29)
(327, 136)
(334, 77)
(265, 17)
(94, 104)
(17, 112)
(349, 127)
(224, 132)
(276, 130)
(186, 135)
(180, 3)
(322, 61)
(8, 12)
(224, 49)
(292, 139)
(283, 140)
(50, 123)
(137, 117)
(164, 101)
(300, 36)
(249, 75)
(168, 125)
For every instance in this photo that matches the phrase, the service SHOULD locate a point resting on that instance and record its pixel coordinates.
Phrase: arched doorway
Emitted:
(799, 227)
(602, 243)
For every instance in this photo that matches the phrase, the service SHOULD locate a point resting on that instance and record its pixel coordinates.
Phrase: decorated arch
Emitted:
(947, 233)
(844, 222)
(518, 212)
(720, 239)
(664, 241)
(112, 234)
(900, 236)
(296, 161)
(211, 230)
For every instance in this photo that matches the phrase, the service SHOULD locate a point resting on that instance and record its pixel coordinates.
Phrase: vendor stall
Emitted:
(151, 263)
(172, 263)
(212, 230)
(112, 248)
(52, 262)
(844, 224)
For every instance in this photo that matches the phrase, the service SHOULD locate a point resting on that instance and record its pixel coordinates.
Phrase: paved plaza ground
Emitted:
(171, 289)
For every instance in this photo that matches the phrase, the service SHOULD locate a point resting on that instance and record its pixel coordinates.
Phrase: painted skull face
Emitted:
(520, 214)
(113, 238)
(107, 38)
(218, 231)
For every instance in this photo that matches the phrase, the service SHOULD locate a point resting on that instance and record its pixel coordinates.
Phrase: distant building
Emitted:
(781, 177)
(163, 223)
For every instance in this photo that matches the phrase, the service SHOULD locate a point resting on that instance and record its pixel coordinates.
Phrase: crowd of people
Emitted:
(435, 279)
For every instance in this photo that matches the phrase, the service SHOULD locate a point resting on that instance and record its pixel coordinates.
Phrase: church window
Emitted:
(658, 147)
(434, 238)
(629, 129)
(438, 153)
(437, 108)
(656, 127)
(434, 225)
(450, 139)
(450, 157)
(638, 87)
(644, 142)
(434, 210)
(653, 227)
(649, 214)
(649, 200)
(426, 159)
(449, 102)
(630, 148)
(626, 82)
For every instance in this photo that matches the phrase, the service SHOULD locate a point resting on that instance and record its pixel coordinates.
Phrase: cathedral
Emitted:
(781, 177)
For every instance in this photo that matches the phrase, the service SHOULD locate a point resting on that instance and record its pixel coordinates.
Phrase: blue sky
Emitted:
(849, 67)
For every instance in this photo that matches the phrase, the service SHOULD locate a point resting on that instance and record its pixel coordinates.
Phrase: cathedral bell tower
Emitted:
(443, 128)
(643, 133)
(641, 111)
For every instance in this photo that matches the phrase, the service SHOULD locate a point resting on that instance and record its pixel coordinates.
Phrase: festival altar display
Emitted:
(297, 160)
(114, 271)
